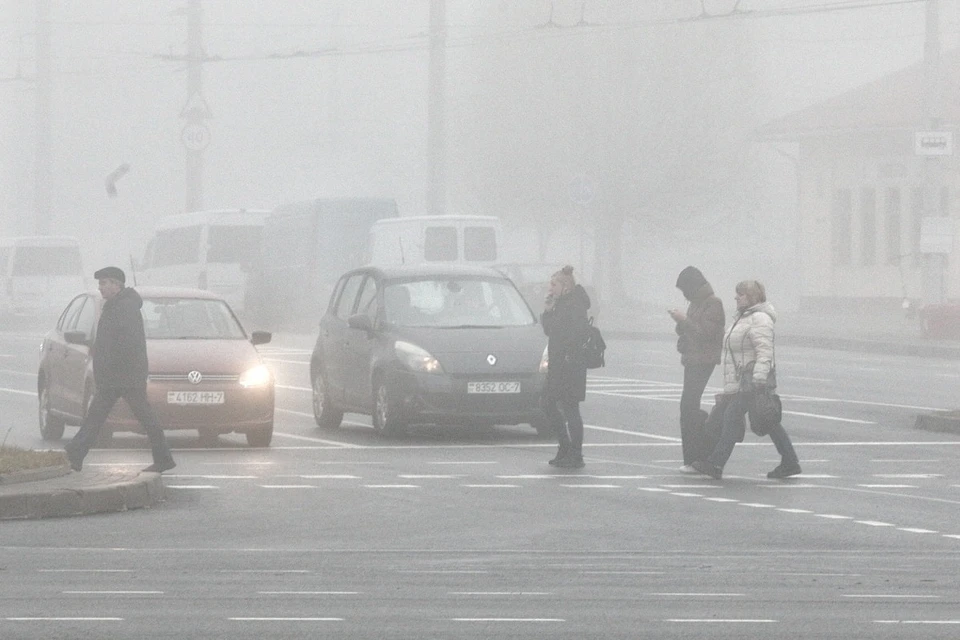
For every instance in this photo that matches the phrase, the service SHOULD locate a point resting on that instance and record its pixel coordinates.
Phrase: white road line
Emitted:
(499, 593)
(331, 476)
(85, 570)
(873, 523)
(426, 476)
(831, 418)
(653, 489)
(392, 486)
(459, 462)
(182, 475)
(508, 619)
(631, 433)
(785, 510)
(697, 595)
(684, 494)
(917, 621)
(888, 460)
(135, 593)
(491, 486)
(18, 391)
(831, 516)
(907, 476)
(622, 573)
(263, 571)
(757, 505)
(308, 593)
(915, 530)
(190, 486)
(64, 619)
(734, 620)
(286, 619)
(288, 486)
(888, 486)
(591, 486)
(888, 595)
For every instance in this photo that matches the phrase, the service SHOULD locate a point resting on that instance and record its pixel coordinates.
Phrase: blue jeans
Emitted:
(734, 428)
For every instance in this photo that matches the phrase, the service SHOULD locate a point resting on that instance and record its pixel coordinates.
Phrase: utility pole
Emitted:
(43, 172)
(436, 110)
(195, 135)
(932, 227)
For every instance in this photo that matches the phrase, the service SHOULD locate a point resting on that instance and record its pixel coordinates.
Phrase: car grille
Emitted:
(182, 377)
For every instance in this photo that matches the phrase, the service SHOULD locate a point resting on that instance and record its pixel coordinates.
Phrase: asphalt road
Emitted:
(457, 533)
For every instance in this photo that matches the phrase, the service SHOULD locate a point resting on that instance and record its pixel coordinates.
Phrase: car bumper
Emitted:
(242, 410)
(432, 398)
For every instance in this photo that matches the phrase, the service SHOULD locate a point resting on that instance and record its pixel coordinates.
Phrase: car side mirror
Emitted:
(260, 337)
(360, 321)
(76, 337)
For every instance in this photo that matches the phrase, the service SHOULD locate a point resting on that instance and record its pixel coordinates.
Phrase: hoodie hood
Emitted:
(689, 281)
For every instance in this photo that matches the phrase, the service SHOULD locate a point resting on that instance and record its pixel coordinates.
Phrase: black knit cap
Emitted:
(115, 273)
(689, 280)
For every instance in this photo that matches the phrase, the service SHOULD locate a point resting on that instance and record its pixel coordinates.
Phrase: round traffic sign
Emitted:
(195, 137)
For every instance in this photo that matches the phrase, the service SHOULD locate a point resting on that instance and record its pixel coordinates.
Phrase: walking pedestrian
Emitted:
(564, 320)
(748, 360)
(119, 371)
(700, 332)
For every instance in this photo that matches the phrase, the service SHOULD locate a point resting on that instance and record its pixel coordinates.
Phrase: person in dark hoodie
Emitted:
(564, 320)
(701, 339)
(120, 371)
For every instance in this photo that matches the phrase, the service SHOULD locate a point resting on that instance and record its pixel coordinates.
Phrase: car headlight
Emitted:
(258, 376)
(415, 358)
(544, 361)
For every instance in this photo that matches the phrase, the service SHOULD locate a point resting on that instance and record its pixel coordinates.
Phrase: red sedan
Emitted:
(205, 373)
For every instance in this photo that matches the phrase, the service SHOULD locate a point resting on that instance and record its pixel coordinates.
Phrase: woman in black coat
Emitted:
(565, 322)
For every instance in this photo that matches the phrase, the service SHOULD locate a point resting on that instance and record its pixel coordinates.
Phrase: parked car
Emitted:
(437, 344)
(204, 370)
(533, 281)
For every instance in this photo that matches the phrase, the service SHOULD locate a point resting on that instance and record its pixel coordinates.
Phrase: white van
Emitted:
(459, 239)
(210, 250)
(39, 275)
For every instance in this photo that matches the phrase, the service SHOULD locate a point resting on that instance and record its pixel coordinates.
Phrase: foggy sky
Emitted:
(354, 123)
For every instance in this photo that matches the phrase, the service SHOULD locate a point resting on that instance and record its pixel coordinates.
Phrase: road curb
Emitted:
(28, 502)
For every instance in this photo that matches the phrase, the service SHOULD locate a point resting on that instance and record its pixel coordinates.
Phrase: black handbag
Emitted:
(764, 407)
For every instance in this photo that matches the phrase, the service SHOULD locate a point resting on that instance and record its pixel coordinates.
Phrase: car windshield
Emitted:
(453, 302)
(189, 319)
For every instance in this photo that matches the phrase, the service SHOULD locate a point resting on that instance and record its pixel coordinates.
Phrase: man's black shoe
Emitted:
(784, 471)
(571, 461)
(561, 454)
(76, 463)
(707, 469)
(160, 467)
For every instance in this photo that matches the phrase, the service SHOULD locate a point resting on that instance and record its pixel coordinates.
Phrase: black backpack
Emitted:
(593, 347)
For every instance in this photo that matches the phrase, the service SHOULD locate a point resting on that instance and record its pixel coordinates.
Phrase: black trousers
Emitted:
(695, 379)
(565, 417)
(100, 407)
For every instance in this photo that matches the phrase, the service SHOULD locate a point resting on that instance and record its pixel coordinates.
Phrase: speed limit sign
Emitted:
(195, 137)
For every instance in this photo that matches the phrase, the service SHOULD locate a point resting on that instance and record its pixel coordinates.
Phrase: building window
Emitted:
(892, 230)
(868, 226)
(840, 232)
(916, 215)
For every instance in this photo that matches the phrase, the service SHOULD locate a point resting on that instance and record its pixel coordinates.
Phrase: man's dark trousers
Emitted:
(695, 379)
(100, 407)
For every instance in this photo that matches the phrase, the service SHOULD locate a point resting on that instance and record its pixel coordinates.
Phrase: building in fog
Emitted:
(861, 170)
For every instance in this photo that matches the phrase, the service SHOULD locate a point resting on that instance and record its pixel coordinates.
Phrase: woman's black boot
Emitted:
(562, 452)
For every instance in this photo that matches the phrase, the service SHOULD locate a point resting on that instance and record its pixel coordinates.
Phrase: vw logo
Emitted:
(491, 359)
(194, 377)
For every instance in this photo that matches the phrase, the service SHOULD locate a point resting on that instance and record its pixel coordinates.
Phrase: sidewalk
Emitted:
(60, 492)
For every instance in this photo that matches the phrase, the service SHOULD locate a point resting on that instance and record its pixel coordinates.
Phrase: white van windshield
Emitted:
(233, 244)
(176, 246)
(46, 261)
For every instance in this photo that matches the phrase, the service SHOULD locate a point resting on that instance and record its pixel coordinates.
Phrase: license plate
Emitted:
(194, 397)
(493, 387)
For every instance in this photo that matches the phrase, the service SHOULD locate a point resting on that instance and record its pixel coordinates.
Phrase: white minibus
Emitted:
(212, 250)
(459, 239)
(39, 275)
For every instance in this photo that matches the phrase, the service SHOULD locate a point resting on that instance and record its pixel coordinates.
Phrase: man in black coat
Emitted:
(119, 371)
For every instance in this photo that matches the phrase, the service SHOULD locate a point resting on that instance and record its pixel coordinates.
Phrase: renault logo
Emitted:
(491, 359)
(194, 377)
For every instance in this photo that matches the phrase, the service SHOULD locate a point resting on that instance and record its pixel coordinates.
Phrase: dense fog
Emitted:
(592, 128)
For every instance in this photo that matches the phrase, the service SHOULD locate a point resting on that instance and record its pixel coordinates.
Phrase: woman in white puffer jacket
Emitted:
(748, 347)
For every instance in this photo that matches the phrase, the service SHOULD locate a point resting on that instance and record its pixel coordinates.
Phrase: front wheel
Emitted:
(51, 426)
(260, 437)
(387, 420)
(324, 413)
